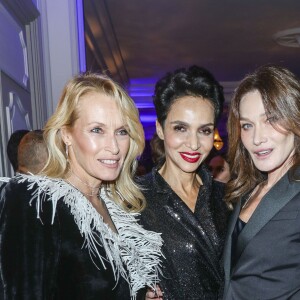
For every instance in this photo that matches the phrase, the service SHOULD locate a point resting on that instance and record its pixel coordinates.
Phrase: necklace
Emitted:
(87, 194)
(94, 190)
(77, 177)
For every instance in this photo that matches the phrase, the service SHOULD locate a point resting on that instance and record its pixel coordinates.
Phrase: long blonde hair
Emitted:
(124, 190)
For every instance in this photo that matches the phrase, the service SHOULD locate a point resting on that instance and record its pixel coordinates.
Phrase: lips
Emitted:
(191, 157)
(263, 153)
(111, 163)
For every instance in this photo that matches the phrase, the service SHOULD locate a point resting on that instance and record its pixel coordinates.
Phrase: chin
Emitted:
(111, 177)
(266, 169)
(191, 169)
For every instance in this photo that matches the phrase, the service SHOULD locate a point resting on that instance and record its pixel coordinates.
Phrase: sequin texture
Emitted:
(193, 242)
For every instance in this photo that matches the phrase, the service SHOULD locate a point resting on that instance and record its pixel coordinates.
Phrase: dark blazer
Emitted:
(193, 242)
(41, 260)
(267, 259)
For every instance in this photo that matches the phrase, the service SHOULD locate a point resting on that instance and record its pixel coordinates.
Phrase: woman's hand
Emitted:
(156, 294)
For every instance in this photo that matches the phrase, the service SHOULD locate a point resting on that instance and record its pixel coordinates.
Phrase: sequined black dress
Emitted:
(193, 242)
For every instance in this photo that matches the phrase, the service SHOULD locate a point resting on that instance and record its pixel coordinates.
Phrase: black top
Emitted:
(267, 251)
(193, 242)
(239, 226)
(41, 259)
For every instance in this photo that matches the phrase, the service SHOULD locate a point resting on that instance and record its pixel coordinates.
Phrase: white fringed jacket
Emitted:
(55, 245)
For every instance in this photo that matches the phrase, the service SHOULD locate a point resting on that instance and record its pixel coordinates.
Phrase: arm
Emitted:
(28, 248)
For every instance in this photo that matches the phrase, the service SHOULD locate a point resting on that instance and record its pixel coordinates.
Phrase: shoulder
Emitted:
(218, 188)
(145, 180)
(215, 189)
(217, 194)
(15, 190)
(154, 193)
(24, 195)
(147, 184)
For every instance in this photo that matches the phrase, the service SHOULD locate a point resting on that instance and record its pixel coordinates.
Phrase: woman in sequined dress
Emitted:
(70, 232)
(184, 203)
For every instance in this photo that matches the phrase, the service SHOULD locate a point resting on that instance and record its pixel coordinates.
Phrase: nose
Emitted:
(193, 142)
(259, 136)
(112, 145)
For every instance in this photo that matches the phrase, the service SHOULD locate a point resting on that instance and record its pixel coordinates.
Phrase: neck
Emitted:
(82, 186)
(274, 176)
(182, 180)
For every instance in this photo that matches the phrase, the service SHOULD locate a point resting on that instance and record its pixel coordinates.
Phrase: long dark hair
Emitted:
(280, 92)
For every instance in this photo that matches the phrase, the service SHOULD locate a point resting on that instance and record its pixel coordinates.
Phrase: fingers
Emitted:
(154, 294)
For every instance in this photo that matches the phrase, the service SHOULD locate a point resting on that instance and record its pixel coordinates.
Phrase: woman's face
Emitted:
(270, 149)
(187, 133)
(99, 139)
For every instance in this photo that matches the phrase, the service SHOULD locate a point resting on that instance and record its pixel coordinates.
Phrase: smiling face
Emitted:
(98, 141)
(269, 148)
(187, 134)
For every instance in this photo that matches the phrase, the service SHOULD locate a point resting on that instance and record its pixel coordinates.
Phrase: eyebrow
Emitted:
(96, 123)
(103, 124)
(125, 126)
(247, 119)
(187, 124)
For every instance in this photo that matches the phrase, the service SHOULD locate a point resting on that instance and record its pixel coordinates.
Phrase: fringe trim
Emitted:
(5, 179)
(134, 253)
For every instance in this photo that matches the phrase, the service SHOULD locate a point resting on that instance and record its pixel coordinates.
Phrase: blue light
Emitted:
(148, 118)
(81, 41)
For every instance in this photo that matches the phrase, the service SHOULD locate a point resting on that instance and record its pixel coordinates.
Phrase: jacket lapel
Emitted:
(269, 206)
(176, 209)
(228, 241)
(179, 211)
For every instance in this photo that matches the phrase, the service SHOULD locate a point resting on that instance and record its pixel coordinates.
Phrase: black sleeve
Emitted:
(29, 246)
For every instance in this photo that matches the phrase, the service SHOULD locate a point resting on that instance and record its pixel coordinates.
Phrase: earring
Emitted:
(67, 150)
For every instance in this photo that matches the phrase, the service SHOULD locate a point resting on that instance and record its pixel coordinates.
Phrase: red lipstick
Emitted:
(191, 157)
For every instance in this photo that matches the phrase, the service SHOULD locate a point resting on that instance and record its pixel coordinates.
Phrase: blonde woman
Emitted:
(70, 232)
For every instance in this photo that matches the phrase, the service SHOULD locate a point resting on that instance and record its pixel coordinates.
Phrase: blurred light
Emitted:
(148, 118)
(218, 143)
(141, 90)
(81, 41)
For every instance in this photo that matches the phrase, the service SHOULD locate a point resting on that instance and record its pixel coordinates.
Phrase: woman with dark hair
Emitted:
(183, 202)
(262, 252)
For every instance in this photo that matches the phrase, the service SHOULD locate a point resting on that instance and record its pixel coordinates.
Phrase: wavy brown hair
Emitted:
(280, 92)
(125, 191)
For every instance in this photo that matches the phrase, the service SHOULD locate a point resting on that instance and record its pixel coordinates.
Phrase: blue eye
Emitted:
(122, 131)
(97, 130)
(246, 126)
